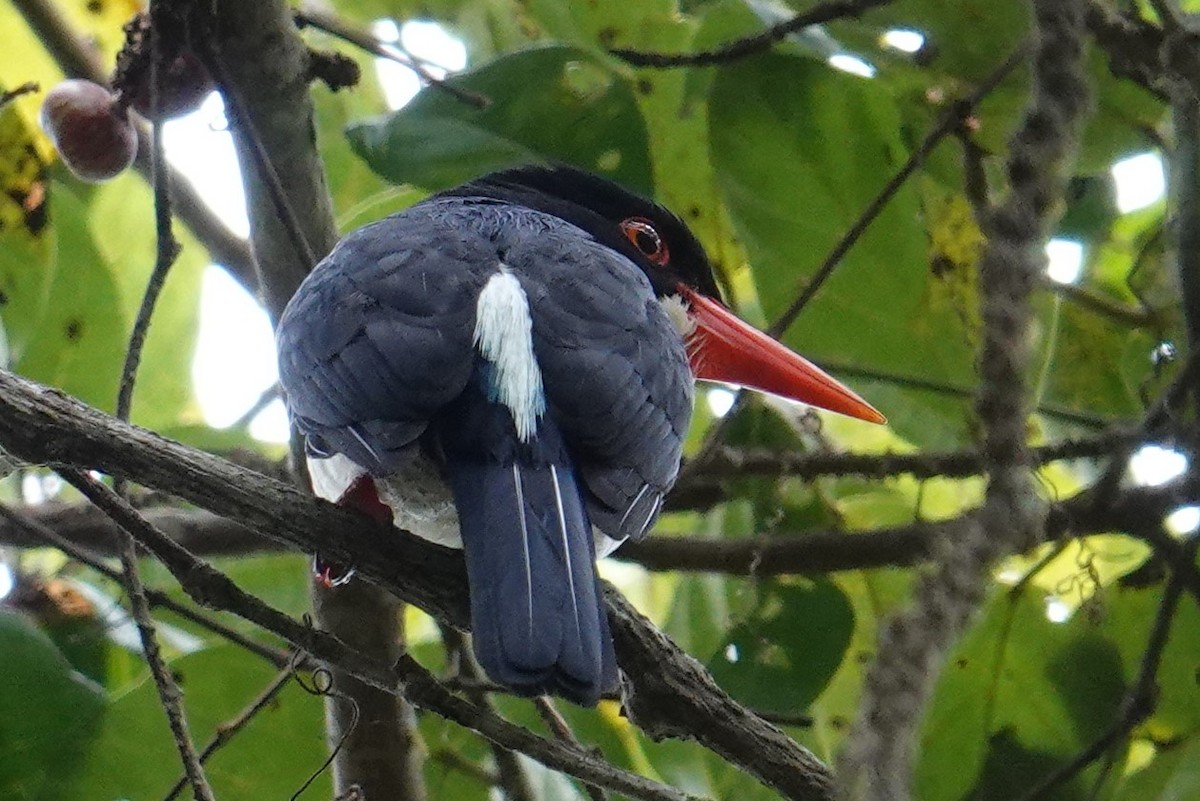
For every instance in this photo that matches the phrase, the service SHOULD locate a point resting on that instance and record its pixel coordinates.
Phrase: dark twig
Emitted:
(825, 12)
(729, 462)
(168, 691)
(1139, 698)
(227, 731)
(456, 761)
(950, 122)
(268, 396)
(510, 776)
(322, 685)
(335, 26)
(952, 390)
(1182, 56)
(562, 731)
(1085, 298)
(8, 96)
(239, 116)
(166, 251)
(1132, 45)
(84, 556)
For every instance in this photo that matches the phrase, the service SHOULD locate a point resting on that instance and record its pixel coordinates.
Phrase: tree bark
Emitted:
(263, 69)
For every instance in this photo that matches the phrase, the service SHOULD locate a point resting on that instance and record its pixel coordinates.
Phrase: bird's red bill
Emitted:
(723, 348)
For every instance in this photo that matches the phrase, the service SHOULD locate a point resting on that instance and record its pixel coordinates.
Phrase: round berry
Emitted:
(91, 131)
(182, 86)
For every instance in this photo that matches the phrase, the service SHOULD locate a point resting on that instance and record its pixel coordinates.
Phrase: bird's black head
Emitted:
(647, 233)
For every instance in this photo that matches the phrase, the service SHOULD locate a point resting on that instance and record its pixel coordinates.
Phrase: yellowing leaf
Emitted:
(22, 163)
(955, 244)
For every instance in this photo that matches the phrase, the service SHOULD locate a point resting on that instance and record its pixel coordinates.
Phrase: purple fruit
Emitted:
(183, 83)
(91, 131)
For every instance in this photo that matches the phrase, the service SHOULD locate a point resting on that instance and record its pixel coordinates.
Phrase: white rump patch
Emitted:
(504, 336)
(421, 502)
(333, 477)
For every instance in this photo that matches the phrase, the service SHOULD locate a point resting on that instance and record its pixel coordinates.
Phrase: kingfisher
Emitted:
(508, 367)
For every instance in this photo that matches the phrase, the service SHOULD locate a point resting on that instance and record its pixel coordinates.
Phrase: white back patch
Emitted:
(504, 336)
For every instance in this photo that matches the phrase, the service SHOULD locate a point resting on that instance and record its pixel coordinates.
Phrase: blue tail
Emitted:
(537, 617)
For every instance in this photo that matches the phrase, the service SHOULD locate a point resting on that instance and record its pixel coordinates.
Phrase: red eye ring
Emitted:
(641, 233)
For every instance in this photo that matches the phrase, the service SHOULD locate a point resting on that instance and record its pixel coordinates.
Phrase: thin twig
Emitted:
(1122, 313)
(10, 95)
(335, 26)
(511, 776)
(1132, 45)
(1181, 57)
(1051, 410)
(728, 462)
(268, 396)
(168, 691)
(562, 731)
(166, 251)
(740, 48)
(1139, 699)
(160, 599)
(322, 685)
(951, 121)
(456, 761)
(227, 731)
(240, 116)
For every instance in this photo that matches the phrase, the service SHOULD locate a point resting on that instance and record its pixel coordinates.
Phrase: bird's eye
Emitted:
(643, 236)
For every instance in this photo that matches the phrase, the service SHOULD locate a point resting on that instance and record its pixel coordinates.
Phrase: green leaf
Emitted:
(49, 715)
(797, 171)
(65, 314)
(284, 744)
(71, 295)
(1172, 775)
(547, 104)
(1021, 691)
(782, 656)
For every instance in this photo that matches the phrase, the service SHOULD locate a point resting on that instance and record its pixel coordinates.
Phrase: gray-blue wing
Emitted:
(616, 377)
(379, 337)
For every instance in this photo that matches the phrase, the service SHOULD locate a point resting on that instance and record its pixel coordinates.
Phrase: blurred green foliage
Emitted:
(771, 159)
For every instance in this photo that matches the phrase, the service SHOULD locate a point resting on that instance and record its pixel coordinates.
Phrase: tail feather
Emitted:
(536, 611)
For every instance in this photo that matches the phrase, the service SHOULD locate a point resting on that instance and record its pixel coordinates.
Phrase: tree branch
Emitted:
(42, 425)
(740, 48)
